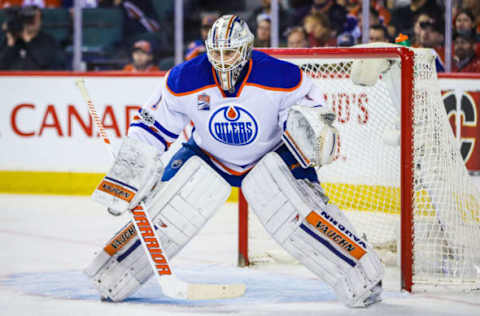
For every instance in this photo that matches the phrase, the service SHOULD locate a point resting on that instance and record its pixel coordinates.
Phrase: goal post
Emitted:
(417, 193)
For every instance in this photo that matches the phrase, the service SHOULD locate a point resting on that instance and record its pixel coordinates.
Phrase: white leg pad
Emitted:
(317, 234)
(179, 209)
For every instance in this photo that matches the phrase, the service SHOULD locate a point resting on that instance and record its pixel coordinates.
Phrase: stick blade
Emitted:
(178, 289)
(214, 291)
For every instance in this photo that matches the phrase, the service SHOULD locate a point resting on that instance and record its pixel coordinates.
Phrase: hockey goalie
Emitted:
(259, 124)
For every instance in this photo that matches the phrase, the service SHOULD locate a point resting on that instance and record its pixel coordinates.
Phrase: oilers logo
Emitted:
(233, 125)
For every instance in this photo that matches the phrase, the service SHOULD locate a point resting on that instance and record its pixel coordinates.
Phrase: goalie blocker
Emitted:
(296, 213)
(135, 172)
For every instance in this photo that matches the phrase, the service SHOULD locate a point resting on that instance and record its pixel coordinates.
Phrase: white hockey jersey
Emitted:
(234, 129)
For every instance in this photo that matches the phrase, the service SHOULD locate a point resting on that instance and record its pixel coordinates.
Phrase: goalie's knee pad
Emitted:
(179, 209)
(297, 215)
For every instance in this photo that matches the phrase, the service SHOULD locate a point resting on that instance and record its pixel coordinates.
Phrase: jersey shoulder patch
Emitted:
(273, 73)
(190, 76)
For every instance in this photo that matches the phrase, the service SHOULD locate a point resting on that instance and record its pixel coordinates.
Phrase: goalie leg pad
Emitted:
(297, 215)
(179, 209)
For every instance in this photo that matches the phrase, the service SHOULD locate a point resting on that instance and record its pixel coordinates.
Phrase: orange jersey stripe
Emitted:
(246, 78)
(190, 92)
(233, 172)
(216, 82)
(298, 148)
(185, 93)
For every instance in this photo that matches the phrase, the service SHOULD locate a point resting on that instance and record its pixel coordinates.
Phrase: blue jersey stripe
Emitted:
(294, 151)
(165, 131)
(160, 127)
(157, 136)
(328, 245)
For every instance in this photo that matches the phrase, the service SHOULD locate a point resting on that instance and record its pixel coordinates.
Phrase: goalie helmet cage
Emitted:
(417, 190)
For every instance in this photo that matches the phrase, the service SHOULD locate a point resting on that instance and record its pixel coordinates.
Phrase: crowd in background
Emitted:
(145, 38)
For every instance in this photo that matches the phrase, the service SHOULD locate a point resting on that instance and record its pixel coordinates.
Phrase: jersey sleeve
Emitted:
(160, 120)
(307, 94)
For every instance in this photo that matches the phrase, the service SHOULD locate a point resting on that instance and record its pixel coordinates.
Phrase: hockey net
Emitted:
(417, 191)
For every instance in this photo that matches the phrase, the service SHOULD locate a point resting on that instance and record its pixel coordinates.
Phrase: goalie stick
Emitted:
(170, 284)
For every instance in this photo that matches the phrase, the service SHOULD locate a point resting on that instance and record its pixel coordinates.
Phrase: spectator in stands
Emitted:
(142, 58)
(474, 7)
(389, 26)
(10, 3)
(464, 21)
(138, 18)
(345, 40)
(26, 46)
(422, 19)
(265, 9)
(356, 22)
(384, 14)
(140, 23)
(297, 37)
(380, 14)
(390, 5)
(430, 35)
(47, 4)
(374, 17)
(378, 34)
(92, 3)
(465, 59)
(403, 17)
(197, 47)
(336, 13)
(262, 33)
(39, 3)
(428, 31)
(297, 4)
(318, 30)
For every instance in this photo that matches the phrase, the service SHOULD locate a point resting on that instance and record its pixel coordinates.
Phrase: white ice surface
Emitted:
(48, 240)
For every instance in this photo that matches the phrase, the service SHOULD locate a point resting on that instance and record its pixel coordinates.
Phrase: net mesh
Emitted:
(364, 179)
(446, 203)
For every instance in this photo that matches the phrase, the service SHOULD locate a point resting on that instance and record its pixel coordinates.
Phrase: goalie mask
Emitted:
(229, 47)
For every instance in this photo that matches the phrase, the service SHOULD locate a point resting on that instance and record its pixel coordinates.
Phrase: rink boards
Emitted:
(48, 139)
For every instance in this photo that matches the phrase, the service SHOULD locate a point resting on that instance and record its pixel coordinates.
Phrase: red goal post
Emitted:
(420, 204)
